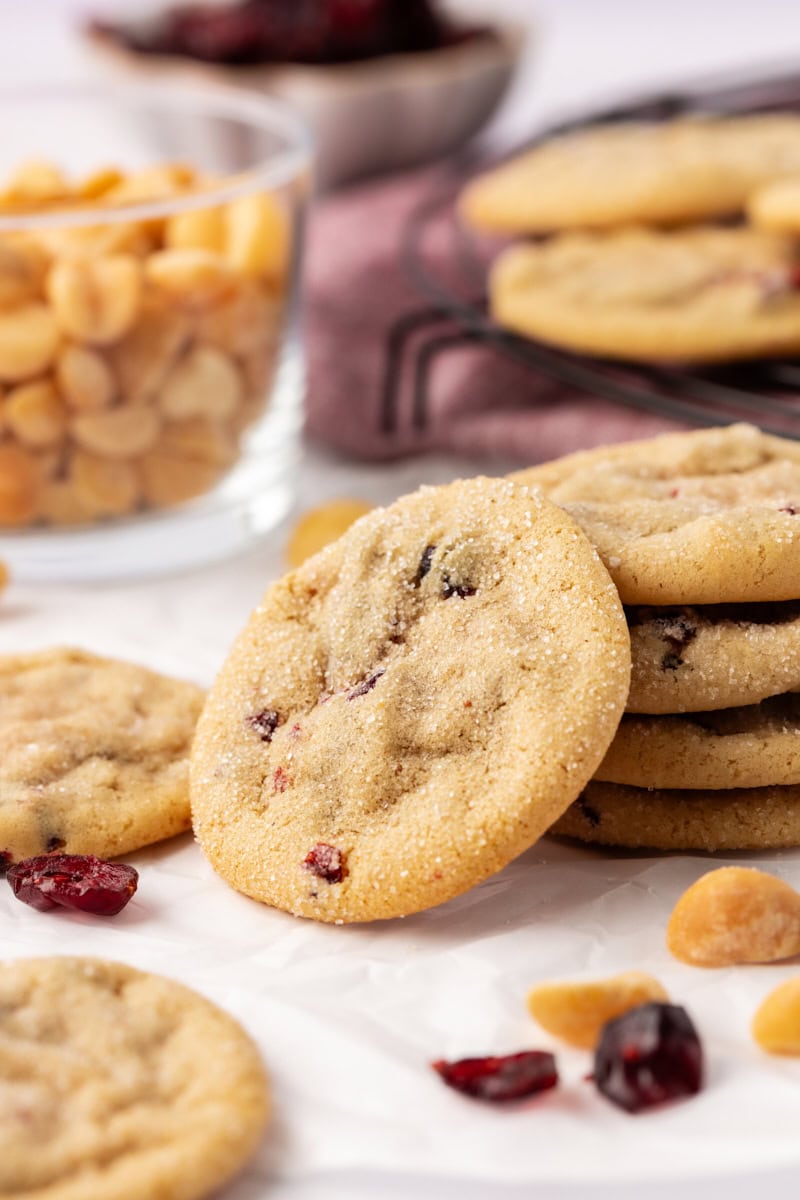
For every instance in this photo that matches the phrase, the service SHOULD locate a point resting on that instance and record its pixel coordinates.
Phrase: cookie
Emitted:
(120, 1085)
(94, 754)
(412, 707)
(718, 656)
(776, 206)
(709, 517)
(639, 818)
(634, 172)
(751, 747)
(730, 462)
(699, 294)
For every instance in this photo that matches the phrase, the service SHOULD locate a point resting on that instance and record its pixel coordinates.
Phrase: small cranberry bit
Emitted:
(424, 564)
(327, 862)
(78, 881)
(6, 860)
(462, 590)
(589, 813)
(264, 723)
(791, 509)
(366, 685)
(648, 1056)
(510, 1077)
(280, 779)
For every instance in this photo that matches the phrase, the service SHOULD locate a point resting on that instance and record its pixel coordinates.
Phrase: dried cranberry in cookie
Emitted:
(456, 664)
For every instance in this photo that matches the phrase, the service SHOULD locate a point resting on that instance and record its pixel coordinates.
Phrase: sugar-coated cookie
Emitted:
(750, 747)
(708, 517)
(695, 659)
(412, 707)
(120, 1085)
(610, 814)
(94, 754)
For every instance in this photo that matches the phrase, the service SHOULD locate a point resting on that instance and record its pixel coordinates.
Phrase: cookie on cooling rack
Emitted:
(708, 517)
(695, 659)
(700, 294)
(633, 172)
(411, 708)
(94, 754)
(609, 814)
(750, 747)
(105, 1093)
(776, 206)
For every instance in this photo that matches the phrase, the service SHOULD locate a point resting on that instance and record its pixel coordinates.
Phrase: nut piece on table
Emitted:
(577, 1012)
(735, 915)
(776, 1025)
(320, 526)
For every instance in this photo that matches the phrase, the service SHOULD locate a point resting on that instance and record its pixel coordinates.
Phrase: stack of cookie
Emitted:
(701, 534)
(611, 280)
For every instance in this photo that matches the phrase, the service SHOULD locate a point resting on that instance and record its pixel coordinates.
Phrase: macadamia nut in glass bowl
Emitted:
(150, 372)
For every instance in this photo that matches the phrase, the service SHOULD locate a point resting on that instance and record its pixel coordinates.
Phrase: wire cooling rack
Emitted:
(454, 310)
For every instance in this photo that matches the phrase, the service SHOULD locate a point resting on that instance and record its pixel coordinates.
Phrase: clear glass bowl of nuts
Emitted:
(150, 372)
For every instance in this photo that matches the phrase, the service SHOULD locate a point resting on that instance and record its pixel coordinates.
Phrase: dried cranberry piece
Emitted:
(424, 564)
(589, 813)
(456, 589)
(508, 1077)
(6, 860)
(366, 685)
(327, 862)
(78, 881)
(791, 509)
(649, 1055)
(265, 723)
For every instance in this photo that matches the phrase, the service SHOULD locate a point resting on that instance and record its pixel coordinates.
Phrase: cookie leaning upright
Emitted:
(411, 708)
(94, 754)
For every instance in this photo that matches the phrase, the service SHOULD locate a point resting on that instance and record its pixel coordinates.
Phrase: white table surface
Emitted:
(585, 51)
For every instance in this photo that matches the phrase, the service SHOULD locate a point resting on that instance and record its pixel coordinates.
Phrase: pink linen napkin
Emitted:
(480, 402)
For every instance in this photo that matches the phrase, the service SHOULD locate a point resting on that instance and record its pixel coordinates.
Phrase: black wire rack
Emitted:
(454, 310)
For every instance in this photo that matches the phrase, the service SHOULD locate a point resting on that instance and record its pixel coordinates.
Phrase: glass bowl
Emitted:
(150, 371)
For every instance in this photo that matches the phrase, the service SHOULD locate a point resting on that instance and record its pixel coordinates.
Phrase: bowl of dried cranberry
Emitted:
(383, 84)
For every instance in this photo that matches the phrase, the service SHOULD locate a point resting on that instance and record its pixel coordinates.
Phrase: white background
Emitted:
(348, 1018)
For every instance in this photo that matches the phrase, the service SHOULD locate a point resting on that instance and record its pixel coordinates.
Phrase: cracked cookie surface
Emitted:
(708, 517)
(691, 659)
(104, 1094)
(610, 814)
(411, 708)
(94, 754)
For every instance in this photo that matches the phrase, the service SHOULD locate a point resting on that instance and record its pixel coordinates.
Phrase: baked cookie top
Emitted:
(693, 659)
(673, 172)
(120, 1085)
(702, 294)
(94, 754)
(709, 517)
(750, 747)
(610, 814)
(412, 707)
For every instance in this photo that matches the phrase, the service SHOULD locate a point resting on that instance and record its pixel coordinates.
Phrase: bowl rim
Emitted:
(291, 162)
(502, 42)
